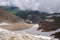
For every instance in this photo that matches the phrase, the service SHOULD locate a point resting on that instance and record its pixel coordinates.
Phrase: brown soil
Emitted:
(17, 26)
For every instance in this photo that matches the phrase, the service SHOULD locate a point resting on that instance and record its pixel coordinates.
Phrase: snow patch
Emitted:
(34, 31)
(1, 24)
(1, 29)
(6, 34)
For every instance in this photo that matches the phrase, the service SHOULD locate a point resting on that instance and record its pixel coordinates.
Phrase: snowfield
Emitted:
(9, 35)
(34, 31)
(4, 24)
(28, 34)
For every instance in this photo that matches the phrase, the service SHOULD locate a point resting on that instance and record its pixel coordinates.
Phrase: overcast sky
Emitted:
(41, 5)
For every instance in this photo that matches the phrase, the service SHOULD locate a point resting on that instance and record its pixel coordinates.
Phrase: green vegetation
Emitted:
(12, 10)
(23, 13)
(57, 20)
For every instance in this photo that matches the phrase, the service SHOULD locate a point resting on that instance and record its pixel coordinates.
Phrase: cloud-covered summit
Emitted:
(41, 5)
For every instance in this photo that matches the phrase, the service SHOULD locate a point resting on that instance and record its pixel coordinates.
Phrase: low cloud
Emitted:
(50, 6)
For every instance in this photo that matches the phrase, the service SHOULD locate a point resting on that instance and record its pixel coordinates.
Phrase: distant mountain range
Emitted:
(25, 13)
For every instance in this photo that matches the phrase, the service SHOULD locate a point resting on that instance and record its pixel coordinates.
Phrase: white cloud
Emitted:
(41, 5)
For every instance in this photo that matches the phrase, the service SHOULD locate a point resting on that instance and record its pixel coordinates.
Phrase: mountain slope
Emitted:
(13, 22)
(6, 17)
